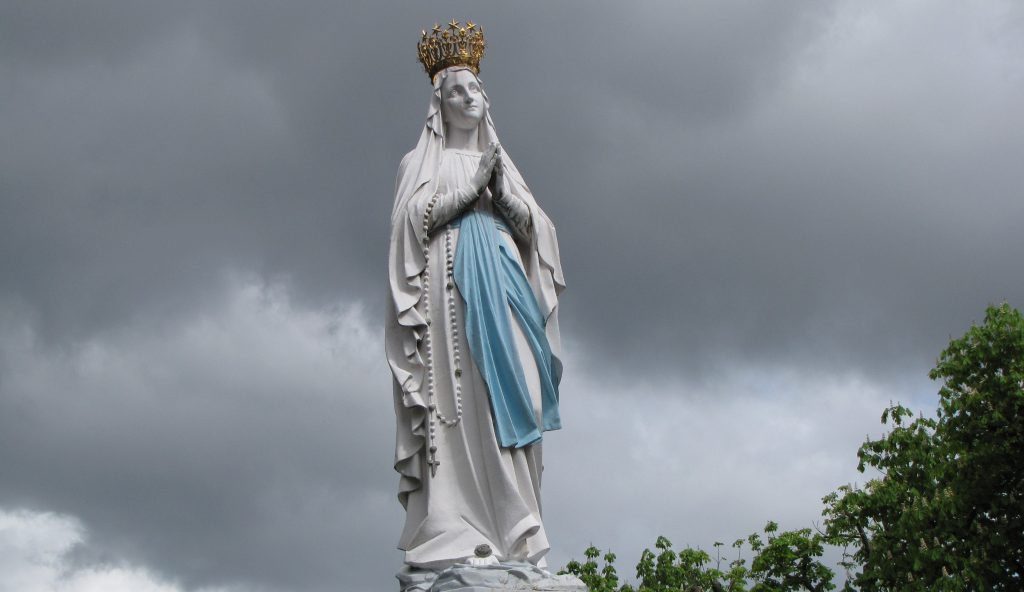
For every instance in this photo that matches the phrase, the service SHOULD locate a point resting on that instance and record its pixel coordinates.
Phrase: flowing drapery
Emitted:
(482, 493)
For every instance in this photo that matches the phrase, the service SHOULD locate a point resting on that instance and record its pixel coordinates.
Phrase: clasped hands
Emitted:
(491, 173)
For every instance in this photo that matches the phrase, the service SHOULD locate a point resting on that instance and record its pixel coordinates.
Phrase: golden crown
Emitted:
(454, 45)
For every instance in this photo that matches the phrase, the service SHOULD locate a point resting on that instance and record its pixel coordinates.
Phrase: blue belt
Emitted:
(499, 222)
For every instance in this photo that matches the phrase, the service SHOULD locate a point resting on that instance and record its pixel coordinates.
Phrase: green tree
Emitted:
(604, 579)
(784, 562)
(789, 562)
(946, 511)
(668, 570)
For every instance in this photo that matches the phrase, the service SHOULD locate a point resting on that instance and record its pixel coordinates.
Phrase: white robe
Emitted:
(481, 493)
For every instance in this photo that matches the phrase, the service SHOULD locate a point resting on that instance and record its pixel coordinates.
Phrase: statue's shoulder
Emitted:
(404, 164)
(403, 167)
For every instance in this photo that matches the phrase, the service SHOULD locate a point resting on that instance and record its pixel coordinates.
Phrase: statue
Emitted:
(472, 331)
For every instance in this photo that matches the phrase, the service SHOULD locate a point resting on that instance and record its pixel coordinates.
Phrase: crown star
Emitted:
(456, 46)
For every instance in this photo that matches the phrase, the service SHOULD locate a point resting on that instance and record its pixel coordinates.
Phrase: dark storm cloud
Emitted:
(150, 149)
(218, 453)
(814, 186)
(847, 206)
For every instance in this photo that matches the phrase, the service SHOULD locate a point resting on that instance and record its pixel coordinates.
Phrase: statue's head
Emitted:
(463, 105)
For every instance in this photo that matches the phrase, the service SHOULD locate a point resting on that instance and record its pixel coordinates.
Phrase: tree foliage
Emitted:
(945, 512)
(782, 562)
(943, 509)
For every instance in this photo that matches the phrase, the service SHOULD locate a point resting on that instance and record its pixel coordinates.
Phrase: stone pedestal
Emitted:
(498, 577)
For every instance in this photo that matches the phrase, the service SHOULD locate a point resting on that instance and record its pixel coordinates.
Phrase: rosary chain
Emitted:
(434, 412)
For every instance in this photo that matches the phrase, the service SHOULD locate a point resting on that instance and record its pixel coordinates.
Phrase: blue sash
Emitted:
(492, 282)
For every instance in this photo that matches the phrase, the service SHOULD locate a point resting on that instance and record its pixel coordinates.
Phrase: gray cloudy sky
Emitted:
(772, 218)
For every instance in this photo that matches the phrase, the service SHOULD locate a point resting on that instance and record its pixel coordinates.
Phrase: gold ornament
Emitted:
(457, 46)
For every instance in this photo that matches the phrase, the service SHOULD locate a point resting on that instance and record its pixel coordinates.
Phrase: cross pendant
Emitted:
(434, 463)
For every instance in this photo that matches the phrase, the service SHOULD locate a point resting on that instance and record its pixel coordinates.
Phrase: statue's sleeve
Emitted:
(516, 213)
(445, 205)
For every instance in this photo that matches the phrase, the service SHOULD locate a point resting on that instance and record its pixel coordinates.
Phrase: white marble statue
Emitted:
(472, 331)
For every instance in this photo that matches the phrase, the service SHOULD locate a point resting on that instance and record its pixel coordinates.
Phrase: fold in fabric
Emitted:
(493, 284)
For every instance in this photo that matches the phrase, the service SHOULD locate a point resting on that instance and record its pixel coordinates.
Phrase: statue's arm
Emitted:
(445, 206)
(516, 213)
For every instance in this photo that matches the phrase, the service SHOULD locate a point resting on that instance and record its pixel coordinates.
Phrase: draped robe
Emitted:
(482, 493)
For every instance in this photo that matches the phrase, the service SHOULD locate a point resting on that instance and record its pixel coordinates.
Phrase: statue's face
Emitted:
(462, 100)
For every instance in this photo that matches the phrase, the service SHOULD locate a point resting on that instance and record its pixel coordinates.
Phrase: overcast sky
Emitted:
(772, 217)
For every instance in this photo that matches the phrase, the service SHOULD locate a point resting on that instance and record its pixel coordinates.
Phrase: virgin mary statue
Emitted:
(472, 329)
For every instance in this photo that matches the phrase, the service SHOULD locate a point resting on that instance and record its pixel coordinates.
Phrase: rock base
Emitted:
(499, 577)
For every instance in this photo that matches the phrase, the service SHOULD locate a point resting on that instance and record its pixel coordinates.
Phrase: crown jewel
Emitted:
(454, 45)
